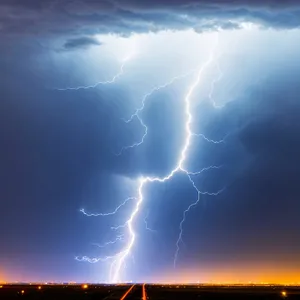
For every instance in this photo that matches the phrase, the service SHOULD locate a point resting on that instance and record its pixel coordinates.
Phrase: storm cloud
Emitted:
(81, 42)
(86, 17)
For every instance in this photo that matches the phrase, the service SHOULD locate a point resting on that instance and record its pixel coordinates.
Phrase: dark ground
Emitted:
(184, 292)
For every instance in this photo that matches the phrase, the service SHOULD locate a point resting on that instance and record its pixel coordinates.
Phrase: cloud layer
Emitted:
(81, 42)
(124, 17)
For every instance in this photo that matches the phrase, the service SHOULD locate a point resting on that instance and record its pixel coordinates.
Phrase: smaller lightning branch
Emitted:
(146, 97)
(111, 81)
(94, 259)
(155, 89)
(203, 170)
(146, 223)
(119, 226)
(209, 140)
(119, 238)
(199, 193)
(106, 214)
(136, 144)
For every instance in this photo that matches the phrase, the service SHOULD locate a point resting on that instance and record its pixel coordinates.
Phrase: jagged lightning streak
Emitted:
(117, 239)
(119, 258)
(109, 213)
(112, 80)
(146, 97)
(94, 259)
(199, 193)
(210, 140)
(204, 169)
(119, 226)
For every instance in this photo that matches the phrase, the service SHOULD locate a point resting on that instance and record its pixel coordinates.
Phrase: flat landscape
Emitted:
(147, 291)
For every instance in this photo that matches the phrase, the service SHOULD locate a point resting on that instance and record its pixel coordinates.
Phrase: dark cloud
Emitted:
(81, 42)
(124, 17)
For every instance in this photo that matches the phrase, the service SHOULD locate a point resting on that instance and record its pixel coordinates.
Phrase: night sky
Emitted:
(60, 144)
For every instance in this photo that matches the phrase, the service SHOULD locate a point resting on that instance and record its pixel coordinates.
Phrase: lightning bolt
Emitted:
(199, 193)
(94, 259)
(119, 226)
(203, 170)
(109, 213)
(112, 80)
(119, 259)
(210, 140)
(117, 239)
(146, 97)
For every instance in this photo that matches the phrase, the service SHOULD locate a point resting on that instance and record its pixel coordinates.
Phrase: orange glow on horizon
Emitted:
(282, 271)
(261, 273)
(85, 286)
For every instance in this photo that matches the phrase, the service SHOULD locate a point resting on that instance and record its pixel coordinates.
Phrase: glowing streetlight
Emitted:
(284, 294)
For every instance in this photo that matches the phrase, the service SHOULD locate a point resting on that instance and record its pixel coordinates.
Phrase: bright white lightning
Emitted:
(203, 170)
(210, 140)
(109, 213)
(119, 226)
(146, 97)
(117, 239)
(112, 80)
(120, 258)
(94, 259)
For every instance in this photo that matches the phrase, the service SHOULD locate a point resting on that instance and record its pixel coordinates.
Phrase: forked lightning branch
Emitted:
(128, 237)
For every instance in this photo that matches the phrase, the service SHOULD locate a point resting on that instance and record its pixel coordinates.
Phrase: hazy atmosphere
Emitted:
(188, 112)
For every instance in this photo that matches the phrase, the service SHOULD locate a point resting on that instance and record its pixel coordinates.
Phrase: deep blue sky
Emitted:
(58, 148)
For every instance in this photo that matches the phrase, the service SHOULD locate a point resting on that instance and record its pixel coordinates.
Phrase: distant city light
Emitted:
(283, 294)
(85, 286)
